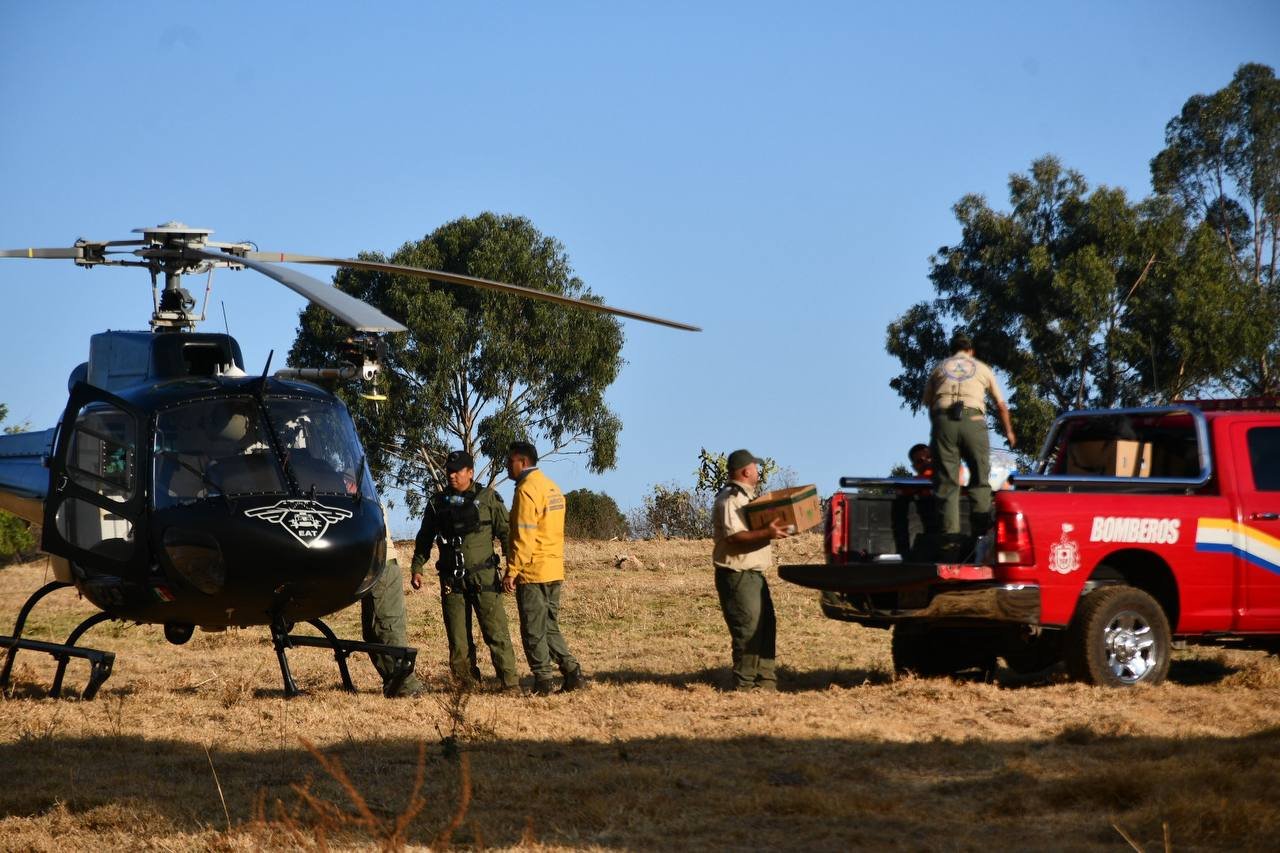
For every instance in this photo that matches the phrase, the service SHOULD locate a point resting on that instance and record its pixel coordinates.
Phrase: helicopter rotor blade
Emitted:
(356, 313)
(469, 281)
(72, 252)
(85, 252)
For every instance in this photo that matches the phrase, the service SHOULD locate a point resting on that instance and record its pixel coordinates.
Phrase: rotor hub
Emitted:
(175, 233)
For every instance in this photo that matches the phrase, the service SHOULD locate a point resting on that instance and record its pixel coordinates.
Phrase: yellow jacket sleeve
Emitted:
(524, 530)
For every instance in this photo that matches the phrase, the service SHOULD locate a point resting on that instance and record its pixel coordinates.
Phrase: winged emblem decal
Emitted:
(306, 520)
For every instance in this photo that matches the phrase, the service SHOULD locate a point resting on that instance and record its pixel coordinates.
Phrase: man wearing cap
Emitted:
(535, 570)
(463, 520)
(919, 498)
(740, 556)
(956, 397)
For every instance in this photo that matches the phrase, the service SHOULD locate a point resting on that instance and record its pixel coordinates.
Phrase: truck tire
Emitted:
(931, 652)
(1119, 637)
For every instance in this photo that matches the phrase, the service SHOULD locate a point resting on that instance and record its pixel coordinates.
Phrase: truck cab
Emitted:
(1136, 528)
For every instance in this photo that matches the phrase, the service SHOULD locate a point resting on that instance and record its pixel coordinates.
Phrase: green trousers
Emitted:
(482, 593)
(951, 441)
(544, 645)
(383, 620)
(753, 628)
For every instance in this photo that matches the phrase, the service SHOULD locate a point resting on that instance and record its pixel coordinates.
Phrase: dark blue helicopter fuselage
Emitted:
(231, 500)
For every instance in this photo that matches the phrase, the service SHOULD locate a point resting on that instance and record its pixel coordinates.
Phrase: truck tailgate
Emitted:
(877, 577)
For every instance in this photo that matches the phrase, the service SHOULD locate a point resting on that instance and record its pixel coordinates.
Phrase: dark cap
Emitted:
(960, 340)
(525, 449)
(740, 459)
(458, 460)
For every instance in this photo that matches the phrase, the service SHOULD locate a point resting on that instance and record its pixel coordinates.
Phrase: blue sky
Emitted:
(776, 174)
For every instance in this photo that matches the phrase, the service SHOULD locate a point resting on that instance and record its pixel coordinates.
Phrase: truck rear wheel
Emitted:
(930, 652)
(1120, 637)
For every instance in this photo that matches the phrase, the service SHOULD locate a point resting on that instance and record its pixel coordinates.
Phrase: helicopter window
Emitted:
(321, 445)
(210, 448)
(94, 529)
(101, 454)
(203, 359)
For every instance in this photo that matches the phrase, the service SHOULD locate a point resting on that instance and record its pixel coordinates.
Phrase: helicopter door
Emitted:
(94, 512)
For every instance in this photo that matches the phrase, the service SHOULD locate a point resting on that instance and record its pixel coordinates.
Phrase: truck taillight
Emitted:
(837, 535)
(1013, 540)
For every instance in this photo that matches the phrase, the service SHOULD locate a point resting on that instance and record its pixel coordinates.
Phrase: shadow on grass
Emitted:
(665, 792)
(1189, 672)
(789, 680)
(1199, 671)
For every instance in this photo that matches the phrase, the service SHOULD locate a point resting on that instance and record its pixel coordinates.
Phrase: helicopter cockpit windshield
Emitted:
(320, 445)
(213, 447)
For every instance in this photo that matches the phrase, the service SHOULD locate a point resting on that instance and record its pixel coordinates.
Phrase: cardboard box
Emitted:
(1110, 458)
(798, 508)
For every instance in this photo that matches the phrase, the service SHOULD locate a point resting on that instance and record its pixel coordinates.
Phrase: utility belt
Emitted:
(957, 410)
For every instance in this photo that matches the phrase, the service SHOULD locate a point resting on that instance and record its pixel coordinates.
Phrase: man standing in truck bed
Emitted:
(956, 397)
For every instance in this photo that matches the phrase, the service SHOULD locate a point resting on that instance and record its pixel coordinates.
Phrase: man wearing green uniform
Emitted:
(956, 397)
(382, 620)
(463, 520)
(740, 557)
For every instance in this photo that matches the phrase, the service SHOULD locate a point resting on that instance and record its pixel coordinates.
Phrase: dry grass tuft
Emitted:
(459, 728)
(315, 820)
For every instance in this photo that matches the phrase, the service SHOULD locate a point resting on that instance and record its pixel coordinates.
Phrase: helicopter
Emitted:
(180, 490)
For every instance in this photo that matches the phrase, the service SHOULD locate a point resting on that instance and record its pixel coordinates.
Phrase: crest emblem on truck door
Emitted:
(1064, 555)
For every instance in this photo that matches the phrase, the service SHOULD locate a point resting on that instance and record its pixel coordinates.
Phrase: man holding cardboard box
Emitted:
(956, 397)
(740, 557)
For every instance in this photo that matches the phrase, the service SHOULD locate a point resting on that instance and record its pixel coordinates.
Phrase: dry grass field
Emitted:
(193, 747)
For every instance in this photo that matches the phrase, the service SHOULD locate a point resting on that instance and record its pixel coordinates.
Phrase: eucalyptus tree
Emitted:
(1082, 298)
(477, 369)
(1221, 161)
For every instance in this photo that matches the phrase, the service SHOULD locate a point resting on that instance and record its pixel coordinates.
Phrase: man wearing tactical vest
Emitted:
(956, 397)
(463, 520)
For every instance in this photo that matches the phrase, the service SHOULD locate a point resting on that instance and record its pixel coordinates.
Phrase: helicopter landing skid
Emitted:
(403, 656)
(100, 662)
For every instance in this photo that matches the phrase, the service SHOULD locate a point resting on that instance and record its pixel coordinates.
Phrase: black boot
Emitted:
(574, 681)
(954, 548)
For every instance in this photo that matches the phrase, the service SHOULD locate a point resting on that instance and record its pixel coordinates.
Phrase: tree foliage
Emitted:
(1221, 162)
(477, 369)
(1083, 299)
(713, 472)
(672, 511)
(593, 515)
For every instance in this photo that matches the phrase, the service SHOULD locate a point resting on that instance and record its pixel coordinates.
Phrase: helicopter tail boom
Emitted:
(24, 480)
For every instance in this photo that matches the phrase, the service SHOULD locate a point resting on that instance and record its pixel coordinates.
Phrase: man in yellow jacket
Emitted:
(535, 570)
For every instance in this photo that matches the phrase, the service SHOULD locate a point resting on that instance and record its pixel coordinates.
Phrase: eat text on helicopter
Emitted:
(179, 490)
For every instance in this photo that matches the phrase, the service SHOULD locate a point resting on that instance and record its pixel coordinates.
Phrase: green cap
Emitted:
(740, 459)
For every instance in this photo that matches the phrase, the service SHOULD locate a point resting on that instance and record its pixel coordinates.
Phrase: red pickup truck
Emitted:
(1136, 529)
